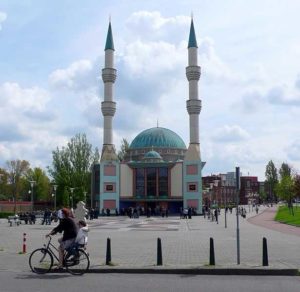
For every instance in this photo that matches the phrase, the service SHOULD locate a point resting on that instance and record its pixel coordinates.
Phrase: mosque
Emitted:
(159, 170)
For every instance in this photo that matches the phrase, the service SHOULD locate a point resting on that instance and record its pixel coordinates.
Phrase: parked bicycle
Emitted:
(76, 260)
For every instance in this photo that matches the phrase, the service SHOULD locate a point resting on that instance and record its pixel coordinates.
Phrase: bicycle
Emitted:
(41, 260)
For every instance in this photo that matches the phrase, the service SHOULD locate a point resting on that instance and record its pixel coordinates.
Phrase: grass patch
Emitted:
(284, 215)
(6, 214)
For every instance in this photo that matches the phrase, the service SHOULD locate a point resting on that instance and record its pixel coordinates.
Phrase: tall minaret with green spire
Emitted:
(192, 164)
(108, 106)
(193, 104)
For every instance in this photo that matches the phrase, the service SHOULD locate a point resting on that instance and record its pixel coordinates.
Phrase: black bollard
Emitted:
(108, 252)
(159, 253)
(265, 252)
(211, 252)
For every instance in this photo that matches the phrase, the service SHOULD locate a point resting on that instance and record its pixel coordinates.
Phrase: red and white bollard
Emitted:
(24, 242)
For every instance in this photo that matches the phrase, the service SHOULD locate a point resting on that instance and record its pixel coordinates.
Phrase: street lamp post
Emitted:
(225, 204)
(237, 176)
(85, 197)
(32, 183)
(72, 190)
(55, 188)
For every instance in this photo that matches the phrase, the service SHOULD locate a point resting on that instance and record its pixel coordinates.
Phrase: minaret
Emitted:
(193, 104)
(108, 106)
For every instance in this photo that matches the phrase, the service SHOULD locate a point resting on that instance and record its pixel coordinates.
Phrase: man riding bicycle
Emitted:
(69, 229)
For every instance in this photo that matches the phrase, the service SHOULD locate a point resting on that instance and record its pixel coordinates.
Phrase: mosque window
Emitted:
(109, 204)
(151, 181)
(109, 170)
(163, 181)
(192, 169)
(140, 182)
(109, 187)
(192, 187)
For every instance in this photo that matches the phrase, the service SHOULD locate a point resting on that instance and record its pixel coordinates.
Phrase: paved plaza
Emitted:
(185, 242)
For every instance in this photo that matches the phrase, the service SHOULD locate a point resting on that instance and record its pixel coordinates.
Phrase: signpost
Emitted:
(237, 176)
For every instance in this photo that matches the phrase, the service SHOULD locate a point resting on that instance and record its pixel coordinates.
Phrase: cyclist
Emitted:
(69, 229)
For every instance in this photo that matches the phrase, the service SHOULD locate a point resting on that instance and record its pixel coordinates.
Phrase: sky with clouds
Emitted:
(52, 53)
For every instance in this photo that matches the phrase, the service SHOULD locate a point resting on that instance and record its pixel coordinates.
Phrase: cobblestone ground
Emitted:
(185, 242)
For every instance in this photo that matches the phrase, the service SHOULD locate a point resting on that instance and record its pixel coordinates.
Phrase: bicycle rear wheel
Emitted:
(41, 261)
(78, 263)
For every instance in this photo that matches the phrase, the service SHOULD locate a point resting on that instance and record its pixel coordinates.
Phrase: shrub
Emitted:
(6, 214)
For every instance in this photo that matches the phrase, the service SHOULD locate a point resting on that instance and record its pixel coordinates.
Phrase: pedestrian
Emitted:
(190, 213)
(216, 215)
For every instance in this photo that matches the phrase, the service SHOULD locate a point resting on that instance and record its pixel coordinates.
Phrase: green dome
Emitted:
(152, 154)
(158, 138)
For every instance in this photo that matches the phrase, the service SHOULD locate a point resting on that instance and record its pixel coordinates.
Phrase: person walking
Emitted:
(216, 215)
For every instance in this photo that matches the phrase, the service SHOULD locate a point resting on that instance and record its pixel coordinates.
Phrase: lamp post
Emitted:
(32, 183)
(225, 203)
(237, 176)
(210, 194)
(85, 197)
(54, 188)
(72, 190)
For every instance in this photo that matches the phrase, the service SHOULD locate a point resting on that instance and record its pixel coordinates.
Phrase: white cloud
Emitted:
(3, 17)
(27, 123)
(151, 25)
(252, 102)
(13, 96)
(230, 134)
(213, 66)
(80, 75)
(144, 58)
(283, 95)
(293, 150)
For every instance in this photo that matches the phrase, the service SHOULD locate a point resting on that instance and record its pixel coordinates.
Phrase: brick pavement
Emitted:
(185, 243)
(265, 219)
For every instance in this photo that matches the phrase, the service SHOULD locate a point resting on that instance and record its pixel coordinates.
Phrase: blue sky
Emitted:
(51, 56)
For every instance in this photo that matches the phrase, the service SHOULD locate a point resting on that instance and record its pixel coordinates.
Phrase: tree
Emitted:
(16, 170)
(124, 148)
(271, 178)
(262, 195)
(42, 184)
(297, 186)
(4, 188)
(285, 190)
(71, 168)
(285, 170)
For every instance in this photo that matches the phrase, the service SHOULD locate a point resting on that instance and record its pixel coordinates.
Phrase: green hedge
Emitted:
(6, 214)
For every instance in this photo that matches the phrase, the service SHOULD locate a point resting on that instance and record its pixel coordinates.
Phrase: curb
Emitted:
(195, 271)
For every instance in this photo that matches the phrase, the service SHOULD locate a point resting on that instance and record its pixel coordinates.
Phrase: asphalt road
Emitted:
(17, 281)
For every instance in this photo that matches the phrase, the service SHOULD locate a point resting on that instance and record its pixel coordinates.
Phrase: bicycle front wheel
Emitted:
(41, 261)
(78, 263)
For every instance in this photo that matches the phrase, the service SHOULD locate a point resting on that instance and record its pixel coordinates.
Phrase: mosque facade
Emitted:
(158, 170)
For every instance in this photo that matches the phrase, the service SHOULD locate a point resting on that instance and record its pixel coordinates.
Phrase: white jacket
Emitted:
(82, 235)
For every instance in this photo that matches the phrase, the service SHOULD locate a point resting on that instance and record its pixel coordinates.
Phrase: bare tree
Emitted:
(271, 178)
(123, 150)
(16, 170)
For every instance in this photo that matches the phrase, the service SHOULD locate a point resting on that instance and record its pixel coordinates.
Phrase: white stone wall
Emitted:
(193, 56)
(126, 181)
(109, 59)
(176, 180)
